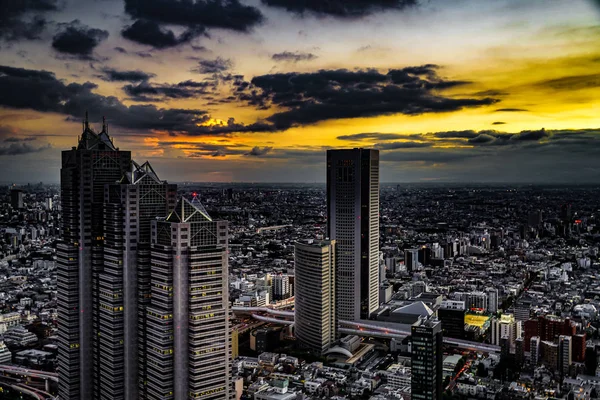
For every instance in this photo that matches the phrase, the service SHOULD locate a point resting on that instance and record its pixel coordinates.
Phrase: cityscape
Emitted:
(299, 199)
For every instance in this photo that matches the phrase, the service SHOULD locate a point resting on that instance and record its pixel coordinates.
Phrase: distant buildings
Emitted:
(353, 221)
(315, 310)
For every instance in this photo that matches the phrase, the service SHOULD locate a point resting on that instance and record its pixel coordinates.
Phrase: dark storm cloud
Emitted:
(499, 123)
(15, 149)
(228, 14)
(511, 110)
(114, 75)
(331, 94)
(77, 39)
(216, 66)
(429, 156)
(41, 91)
(288, 56)
(372, 136)
(18, 140)
(150, 33)
(259, 152)
(575, 82)
(530, 135)
(456, 134)
(403, 145)
(146, 91)
(482, 138)
(21, 19)
(340, 8)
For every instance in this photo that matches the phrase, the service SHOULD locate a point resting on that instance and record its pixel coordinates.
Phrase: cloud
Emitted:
(227, 14)
(530, 135)
(482, 138)
(372, 136)
(259, 152)
(288, 56)
(216, 66)
(511, 110)
(146, 91)
(499, 123)
(150, 33)
(569, 83)
(308, 98)
(403, 145)
(14, 27)
(340, 8)
(114, 75)
(468, 134)
(77, 39)
(41, 91)
(20, 148)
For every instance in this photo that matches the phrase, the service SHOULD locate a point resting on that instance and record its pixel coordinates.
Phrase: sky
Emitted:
(258, 90)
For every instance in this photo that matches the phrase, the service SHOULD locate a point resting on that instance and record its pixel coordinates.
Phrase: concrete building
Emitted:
(411, 259)
(281, 287)
(85, 170)
(16, 199)
(353, 221)
(426, 360)
(124, 292)
(188, 341)
(565, 353)
(492, 300)
(315, 301)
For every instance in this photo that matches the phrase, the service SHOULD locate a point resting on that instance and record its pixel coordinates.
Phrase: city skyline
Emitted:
(257, 91)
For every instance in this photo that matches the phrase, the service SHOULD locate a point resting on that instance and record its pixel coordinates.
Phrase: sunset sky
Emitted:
(257, 90)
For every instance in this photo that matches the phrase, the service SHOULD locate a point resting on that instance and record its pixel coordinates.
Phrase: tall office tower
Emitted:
(534, 348)
(85, 170)
(426, 360)
(411, 259)
(16, 199)
(188, 338)
(565, 353)
(315, 304)
(492, 299)
(281, 287)
(353, 222)
(129, 208)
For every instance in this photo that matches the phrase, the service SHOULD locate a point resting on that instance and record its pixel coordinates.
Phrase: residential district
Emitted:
(461, 291)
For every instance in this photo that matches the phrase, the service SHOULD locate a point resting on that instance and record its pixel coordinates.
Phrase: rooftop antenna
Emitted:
(87, 122)
(104, 124)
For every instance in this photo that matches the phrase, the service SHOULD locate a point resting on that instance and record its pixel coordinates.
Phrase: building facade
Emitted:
(315, 304)
(85, 170)
(427, 359)
(129, 208)
(188, 338)
(353, 222)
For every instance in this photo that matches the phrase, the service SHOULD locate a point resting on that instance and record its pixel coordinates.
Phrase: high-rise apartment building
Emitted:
(120, 333)
(315, 295)
(188, 338)
(426, 359)
(492, 299)
(565, 353)
(353, 222)
(281, 287)
(86, 168)
(411, 259)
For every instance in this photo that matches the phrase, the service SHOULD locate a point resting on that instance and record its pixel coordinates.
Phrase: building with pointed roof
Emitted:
(129, 208)
(86, 169)
(188, 342)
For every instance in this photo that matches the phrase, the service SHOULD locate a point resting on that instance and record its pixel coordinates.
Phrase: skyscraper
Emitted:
(426, 359)
(353, 222)
(315, 295)
(85, 170)
(188, 333)
(129, 208)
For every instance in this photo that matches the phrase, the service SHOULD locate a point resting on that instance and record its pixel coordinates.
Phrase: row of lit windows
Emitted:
(120, 308)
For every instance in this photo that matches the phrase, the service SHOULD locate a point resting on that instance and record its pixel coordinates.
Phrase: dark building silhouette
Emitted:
(426, 360)
(16, 199)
